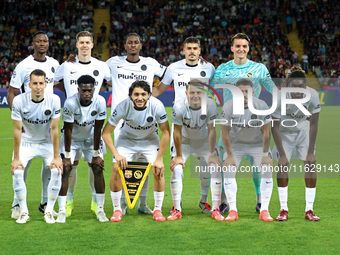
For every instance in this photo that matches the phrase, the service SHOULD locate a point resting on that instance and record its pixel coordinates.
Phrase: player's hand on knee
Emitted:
(283, 161)
(16, 165)
(121, 160)
(67, 163)
(177, 160)
(98, 161)
(214, 160)
(310, 159)
(229, 161)
(57, 163)
(266, 160)
(158, 168)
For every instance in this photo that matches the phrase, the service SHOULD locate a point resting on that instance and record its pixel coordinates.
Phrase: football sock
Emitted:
(144, 192)
(216, 188)
(92, 187)
(62, 203)
(256, 174)
(20, 189)
(15, 200)
(204, 179)
(115, 196)
(45, 178)
(266, 192)
(230, 187)
(176, 184)
(310, 197)
(72, 181)
(53, 189)
(100, 198)
(159, 196)
(283, 196)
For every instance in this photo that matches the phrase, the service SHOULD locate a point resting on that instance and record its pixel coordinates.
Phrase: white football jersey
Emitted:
(70, 73)
(245, 128)
(193, 126)
(138, 124)
(36, 117)
(124, 73)
(294, 113)
(83, 117)
(21, 75)
(181, 73)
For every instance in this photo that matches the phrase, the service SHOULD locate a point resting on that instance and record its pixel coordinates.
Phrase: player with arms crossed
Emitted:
(20, 82)
(242, 135)
(69, 72)
(296, 142)
(138, 136)
(230, 73)
(180, 73)
(193, 135)
(84, 115)
(39, 114)
(125, 70)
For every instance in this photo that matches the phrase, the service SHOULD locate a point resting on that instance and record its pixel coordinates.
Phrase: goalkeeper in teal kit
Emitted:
(230, 73)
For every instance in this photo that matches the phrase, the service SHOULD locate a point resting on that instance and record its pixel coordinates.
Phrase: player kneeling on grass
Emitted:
(194, 134)
(39, 114)
(138, 137)
(246, 134)
(84, 115)
(296, 142)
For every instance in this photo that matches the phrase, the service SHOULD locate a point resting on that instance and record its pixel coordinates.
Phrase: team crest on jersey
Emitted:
(93, 113)
(203, 73)
(48, 112)
(52, 69)
(149, 119)
(95, 72)
(253, 116)
(250, 75)
(143, 67)
(14, 74)
(114, 113)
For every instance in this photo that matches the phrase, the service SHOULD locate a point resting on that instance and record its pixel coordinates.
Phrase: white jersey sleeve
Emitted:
(167, 79)
(117, 114)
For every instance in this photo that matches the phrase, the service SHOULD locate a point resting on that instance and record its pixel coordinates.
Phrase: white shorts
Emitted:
(29, 151)
(85, 147)
(62, 147)
(135, 149)
(241, 150)
(294, 144)
(196, 148)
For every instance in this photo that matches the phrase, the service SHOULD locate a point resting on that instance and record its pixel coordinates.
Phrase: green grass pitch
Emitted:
(195, 233)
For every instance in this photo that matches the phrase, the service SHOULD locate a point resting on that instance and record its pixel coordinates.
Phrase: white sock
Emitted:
(15, 200)
(115, 196)
(230, 187)
(310, 197)
(72, 181)
(159, 196)
(176, 185)
(258, 198)
(92, 187)
(45, 178)
(62, 203)
(100, 198)
(266, 192)
(204, 179)
(144, 191)
(283, 196)
(53, 189)
(20, 190)
(216, 188)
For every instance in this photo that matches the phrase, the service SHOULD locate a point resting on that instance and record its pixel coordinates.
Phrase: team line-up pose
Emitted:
(136, 116)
